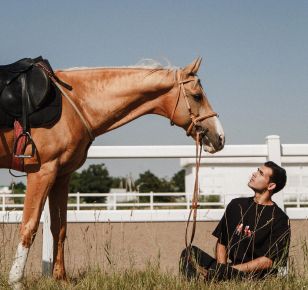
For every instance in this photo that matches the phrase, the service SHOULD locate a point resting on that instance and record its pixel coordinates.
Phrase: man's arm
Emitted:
(261, 263)
(221, 254)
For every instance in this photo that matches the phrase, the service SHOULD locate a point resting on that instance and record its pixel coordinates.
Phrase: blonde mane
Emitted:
(145, 63)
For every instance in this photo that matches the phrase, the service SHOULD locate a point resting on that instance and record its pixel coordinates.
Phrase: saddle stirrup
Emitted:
(26, 134)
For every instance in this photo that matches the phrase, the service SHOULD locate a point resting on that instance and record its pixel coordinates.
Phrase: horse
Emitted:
(102, 100)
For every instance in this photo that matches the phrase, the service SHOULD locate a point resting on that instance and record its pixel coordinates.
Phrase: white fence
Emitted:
(273, 150)
(295, 204)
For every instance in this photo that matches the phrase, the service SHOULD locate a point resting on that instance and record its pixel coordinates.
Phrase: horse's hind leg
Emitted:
(38, 187)
(58, 212)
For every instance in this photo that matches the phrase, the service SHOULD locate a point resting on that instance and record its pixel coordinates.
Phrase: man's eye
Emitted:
(197, 97)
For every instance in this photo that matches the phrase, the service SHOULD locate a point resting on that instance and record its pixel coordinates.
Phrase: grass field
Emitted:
(151, 278)
(118, 273)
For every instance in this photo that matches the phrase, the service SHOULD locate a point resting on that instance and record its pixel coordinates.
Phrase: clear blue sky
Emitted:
(254, 69)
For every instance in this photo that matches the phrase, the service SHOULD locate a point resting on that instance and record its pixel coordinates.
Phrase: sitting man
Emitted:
(254, 234)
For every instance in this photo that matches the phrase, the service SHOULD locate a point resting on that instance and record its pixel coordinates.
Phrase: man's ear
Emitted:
(271, 186)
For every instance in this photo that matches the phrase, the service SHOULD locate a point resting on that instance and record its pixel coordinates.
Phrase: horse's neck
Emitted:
(110, 98)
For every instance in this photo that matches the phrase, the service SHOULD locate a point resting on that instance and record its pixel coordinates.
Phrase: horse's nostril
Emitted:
(221, 139)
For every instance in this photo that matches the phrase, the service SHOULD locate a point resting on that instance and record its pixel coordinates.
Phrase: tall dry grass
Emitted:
(152, 276)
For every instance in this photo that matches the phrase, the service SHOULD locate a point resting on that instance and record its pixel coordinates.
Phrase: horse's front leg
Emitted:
(38, 187)
(58, 212)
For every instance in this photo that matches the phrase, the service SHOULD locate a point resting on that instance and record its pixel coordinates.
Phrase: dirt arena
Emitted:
(125, 245)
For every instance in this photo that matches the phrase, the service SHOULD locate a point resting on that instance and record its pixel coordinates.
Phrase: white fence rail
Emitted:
(294, 203)
(295, 200)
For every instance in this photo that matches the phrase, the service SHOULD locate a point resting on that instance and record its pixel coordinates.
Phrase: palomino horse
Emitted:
(107, 98)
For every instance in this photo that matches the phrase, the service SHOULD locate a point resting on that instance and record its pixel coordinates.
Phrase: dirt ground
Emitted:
(125, 245)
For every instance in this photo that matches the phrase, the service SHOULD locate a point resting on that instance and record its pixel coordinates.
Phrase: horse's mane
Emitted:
(145, 63)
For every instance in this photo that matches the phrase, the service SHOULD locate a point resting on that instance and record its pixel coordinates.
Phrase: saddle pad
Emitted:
(47, 115)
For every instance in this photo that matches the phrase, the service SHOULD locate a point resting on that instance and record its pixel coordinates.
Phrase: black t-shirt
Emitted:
(250, 230)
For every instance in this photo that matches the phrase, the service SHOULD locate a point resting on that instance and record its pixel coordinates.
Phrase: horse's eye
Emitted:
(197, 97)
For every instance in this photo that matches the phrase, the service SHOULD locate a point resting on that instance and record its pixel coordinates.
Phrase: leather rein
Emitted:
(199, 136)
(57, 82)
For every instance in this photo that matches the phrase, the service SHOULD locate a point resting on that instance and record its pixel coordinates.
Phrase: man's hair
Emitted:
(279, 176)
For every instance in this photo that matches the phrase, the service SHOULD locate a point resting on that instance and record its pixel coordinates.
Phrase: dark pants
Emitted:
(216, 271)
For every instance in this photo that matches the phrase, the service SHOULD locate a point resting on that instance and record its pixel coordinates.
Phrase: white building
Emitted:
(5, 190)
(228, 172)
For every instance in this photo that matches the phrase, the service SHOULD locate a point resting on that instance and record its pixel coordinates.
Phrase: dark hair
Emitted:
(279, 176)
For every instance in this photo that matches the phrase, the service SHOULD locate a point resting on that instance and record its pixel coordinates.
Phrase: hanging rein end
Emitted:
(195, 206)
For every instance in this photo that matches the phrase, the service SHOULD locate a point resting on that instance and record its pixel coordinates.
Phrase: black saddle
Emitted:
(26, 90)
(23, 78)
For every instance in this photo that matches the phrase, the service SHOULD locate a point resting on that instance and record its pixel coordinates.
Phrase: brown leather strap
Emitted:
(56, 81)
(193, 117)
(176, 102)
(194, 205)
(18, 163)
(194, 122)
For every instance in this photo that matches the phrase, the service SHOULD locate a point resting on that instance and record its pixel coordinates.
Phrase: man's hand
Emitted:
(221, 254)
(261, 263)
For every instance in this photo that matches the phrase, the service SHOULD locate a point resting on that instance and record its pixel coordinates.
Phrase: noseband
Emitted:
(194, 118)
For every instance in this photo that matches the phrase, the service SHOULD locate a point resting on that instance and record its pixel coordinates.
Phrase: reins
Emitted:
(57, 82)
(194, 207)
(199, 136)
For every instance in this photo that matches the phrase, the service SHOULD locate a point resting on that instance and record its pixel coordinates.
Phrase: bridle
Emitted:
(200, 134)
(194, 118)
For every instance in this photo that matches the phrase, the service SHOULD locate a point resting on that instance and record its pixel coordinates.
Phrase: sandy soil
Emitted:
(123, 245)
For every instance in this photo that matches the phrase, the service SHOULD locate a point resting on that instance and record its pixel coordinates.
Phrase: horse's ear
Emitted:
(193, 67)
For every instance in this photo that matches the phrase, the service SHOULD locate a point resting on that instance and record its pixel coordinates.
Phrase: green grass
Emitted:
(151, 278)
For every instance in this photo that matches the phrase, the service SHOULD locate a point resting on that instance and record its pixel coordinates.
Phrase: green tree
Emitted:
(148, 182)
(115, 182)
(95, 179)
(178, 181)
(18, 187)
(75, 182)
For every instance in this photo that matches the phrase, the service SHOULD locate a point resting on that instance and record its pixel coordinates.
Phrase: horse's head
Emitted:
(193, 112)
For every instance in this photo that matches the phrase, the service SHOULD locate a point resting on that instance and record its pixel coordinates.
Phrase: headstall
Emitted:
(194, 118)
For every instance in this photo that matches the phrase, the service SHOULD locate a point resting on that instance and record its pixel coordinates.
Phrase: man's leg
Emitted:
(201, 258)
(214, 270)
(222, 272)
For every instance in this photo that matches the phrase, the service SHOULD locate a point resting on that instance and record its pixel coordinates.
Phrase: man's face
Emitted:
(260, 179)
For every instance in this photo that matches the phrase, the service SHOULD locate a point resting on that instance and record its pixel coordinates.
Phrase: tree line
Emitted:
(96, 179)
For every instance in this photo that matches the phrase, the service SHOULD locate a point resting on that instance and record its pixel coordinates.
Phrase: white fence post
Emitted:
(78, 201)
(3, 201)
(151, 200)
(187, 200)
(47, 242)
(274, 154)
(114, 201)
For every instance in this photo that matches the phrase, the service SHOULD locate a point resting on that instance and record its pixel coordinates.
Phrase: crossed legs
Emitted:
(209, 268)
